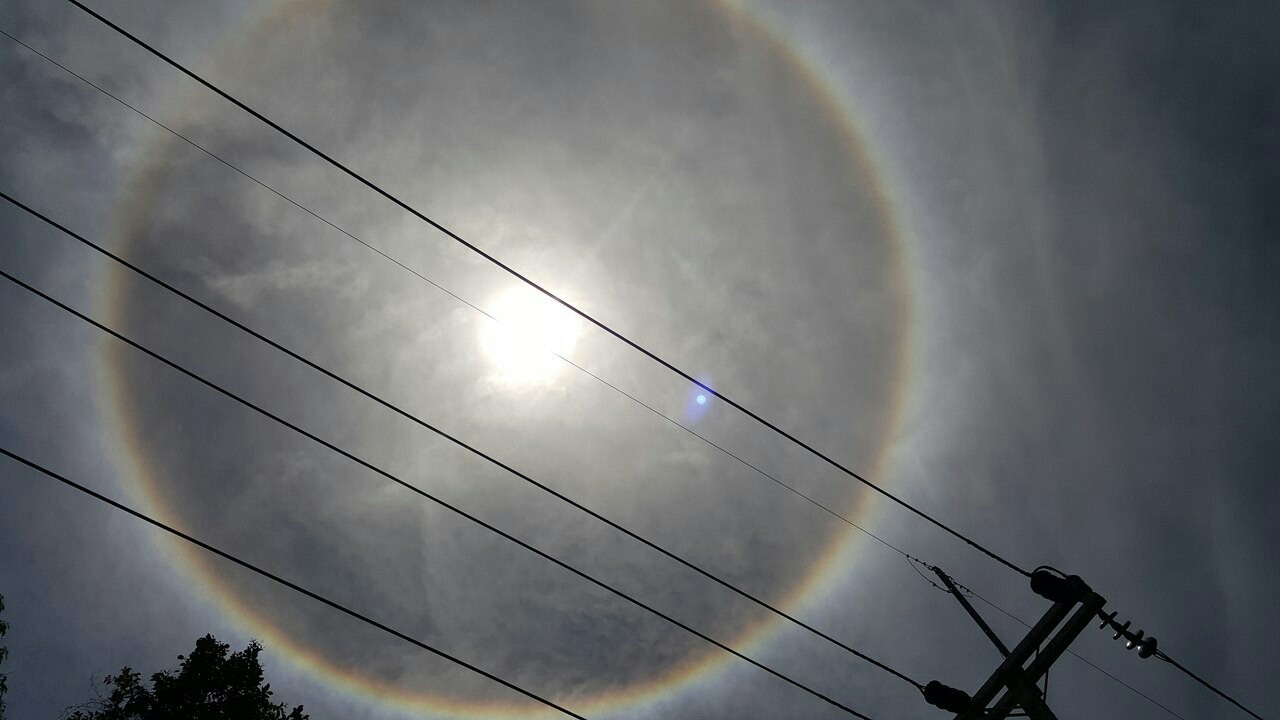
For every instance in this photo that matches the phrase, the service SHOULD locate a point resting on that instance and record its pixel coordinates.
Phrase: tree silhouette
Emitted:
(209, 684)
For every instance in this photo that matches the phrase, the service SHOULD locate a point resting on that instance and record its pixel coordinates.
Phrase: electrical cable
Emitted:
(791, 488)
(544, 291)
(397, 262)
(456, 510)
(600, 324)
(911, 559)
(1165, 657)
(291, 585)
(422, 423)
(567, 360)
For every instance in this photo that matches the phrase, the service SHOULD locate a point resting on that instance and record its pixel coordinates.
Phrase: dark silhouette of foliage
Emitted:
(4, 653)
(209, 684)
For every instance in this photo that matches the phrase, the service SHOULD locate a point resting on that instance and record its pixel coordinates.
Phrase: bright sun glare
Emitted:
(529, 328)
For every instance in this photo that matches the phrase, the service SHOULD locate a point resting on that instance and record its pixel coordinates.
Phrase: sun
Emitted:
(528, 331)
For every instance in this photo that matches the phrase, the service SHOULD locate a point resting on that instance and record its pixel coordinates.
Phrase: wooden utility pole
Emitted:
(1024, 666)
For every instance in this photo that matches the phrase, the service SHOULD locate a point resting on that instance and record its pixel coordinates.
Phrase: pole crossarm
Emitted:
(1047, 640)
(1088, 610)
(1014, 661)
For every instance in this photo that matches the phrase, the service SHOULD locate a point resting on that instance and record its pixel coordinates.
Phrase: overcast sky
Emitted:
(1015, 263)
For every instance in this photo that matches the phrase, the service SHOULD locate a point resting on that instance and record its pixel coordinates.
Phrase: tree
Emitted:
(4, 653)
(209, 684)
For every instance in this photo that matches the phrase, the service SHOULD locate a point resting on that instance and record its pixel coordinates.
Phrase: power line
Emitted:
(549, 294)
(462, 513)
(602, 326)
(420, 422)
(397, 262)
(1131, 688)
(910, 558)
(291, 585)
(1165, 657)
(791, 488)
(633, 398)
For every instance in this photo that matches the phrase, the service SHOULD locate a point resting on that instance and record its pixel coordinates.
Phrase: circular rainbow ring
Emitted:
(828, 569)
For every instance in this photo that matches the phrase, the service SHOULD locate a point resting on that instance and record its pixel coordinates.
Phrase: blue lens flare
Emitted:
(698, 400)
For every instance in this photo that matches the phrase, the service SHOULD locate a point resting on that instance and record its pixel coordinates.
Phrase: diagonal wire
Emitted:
(791, 488)
(635, 399)
(424, 424)
(546, 292)
(1163, 656)
(452, 508)
(291, 585)
(912, 560)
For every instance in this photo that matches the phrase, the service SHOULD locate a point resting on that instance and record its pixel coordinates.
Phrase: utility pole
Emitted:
(1023, 667)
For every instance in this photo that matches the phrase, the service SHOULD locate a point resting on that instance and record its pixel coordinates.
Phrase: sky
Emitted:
(1014, 263)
